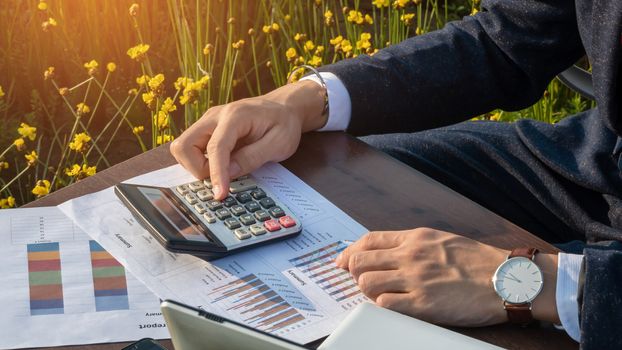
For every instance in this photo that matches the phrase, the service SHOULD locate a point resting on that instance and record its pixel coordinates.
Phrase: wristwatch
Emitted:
(518, 281)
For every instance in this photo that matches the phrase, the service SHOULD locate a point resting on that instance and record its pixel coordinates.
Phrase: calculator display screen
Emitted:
(173, 215)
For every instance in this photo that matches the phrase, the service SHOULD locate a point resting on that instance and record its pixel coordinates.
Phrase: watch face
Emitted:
(518, 280)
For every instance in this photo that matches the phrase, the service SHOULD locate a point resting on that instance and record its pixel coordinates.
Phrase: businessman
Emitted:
(561, 182)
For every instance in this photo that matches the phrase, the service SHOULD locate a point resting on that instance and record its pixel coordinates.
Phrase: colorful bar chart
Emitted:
(44, 279)
(109, 280)
(319, 266)
(257, 304)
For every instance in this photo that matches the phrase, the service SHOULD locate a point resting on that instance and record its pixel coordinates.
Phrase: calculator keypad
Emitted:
(248, 212)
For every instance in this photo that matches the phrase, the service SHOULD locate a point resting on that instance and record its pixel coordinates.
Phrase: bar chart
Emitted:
(110, 284)
(319, 267)
(256, 303)
(44, 279)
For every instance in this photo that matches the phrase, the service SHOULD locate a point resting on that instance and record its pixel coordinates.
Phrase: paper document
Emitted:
(290, 288)
(60, 287)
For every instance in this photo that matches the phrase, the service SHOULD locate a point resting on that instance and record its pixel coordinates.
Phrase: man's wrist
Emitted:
(306, 100)
(544, 307)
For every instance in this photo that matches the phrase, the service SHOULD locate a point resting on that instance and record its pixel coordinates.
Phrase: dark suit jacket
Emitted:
(504, 57)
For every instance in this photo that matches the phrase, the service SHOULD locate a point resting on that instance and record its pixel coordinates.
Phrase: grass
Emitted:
(104, 80)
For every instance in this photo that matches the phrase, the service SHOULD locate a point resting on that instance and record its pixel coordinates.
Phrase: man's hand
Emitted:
(241, 136)
(438, 276)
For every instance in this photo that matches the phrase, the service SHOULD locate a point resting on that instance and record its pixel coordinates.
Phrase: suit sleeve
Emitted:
(600, 300)
(503, 57)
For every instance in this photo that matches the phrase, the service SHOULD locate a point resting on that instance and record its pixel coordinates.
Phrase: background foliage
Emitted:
(88, 83)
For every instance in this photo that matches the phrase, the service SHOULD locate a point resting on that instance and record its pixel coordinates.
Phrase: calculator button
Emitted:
(223, 214)
(229, 201)
(207, 183)
(276, 212)
(272, 225)
(214, 205)
(262, 215)
(267, 202)
(196, 186)
(200, 207)
(257, 230)
(191, 198)
(237, 210)
(252, 206)
(182, 189)
(209, 217)
(247, 219)
(258, 194)
(287, 221)
(205, 195)
(241, 186)
(244, 197)
(232, 223)
(242, 233)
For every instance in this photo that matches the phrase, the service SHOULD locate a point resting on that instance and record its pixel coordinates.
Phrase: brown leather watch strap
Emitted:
(519, 313)
(524, 252)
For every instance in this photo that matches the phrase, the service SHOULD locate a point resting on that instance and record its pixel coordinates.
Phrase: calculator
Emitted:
(187, 218)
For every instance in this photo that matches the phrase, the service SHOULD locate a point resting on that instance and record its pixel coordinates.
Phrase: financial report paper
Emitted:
(60, 287)
(291, 288)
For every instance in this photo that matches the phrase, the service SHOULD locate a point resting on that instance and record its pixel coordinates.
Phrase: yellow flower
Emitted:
(162, 121)
(156, 84)
(346, 46)
(132, 92)
(143, 80)
(42, 188)
(31, 157)
(309, 45)
(400, 3)
(355, 17)
(168, 106)
(381, 3)
(419, 31)
(8, 202)
(82, 109)
(319, 50)
(1, 92)
(287, 18)
(369, 19)
(28, 131)
(91, 67)
(300, 37)
(328, 18)
(89, 170)
(42, 6)
(238, 44)
(164, 139)
(315, 61)
(138, 129)
(271, 28)
(149, 99)
(336, 41)
(63, 91)
(181, 82)
(275, 27)
(19, 143)
(80, 142)
(266, 29)
(4, 165)
(134, 10)
(495, 116)
(407, 18)
(49, 73)
(138, 52)
(52, 22)
(74, 171)
(474, 11)
(204, 81)
(291, 54)
(111, 67)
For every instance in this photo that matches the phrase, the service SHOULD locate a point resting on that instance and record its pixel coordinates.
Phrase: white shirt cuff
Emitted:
(568, 269)
(339, 104)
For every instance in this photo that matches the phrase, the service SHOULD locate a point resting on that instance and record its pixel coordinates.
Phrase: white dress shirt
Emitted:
(569, 265)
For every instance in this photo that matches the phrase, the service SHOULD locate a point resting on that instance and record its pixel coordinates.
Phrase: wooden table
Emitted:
(380, 193)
